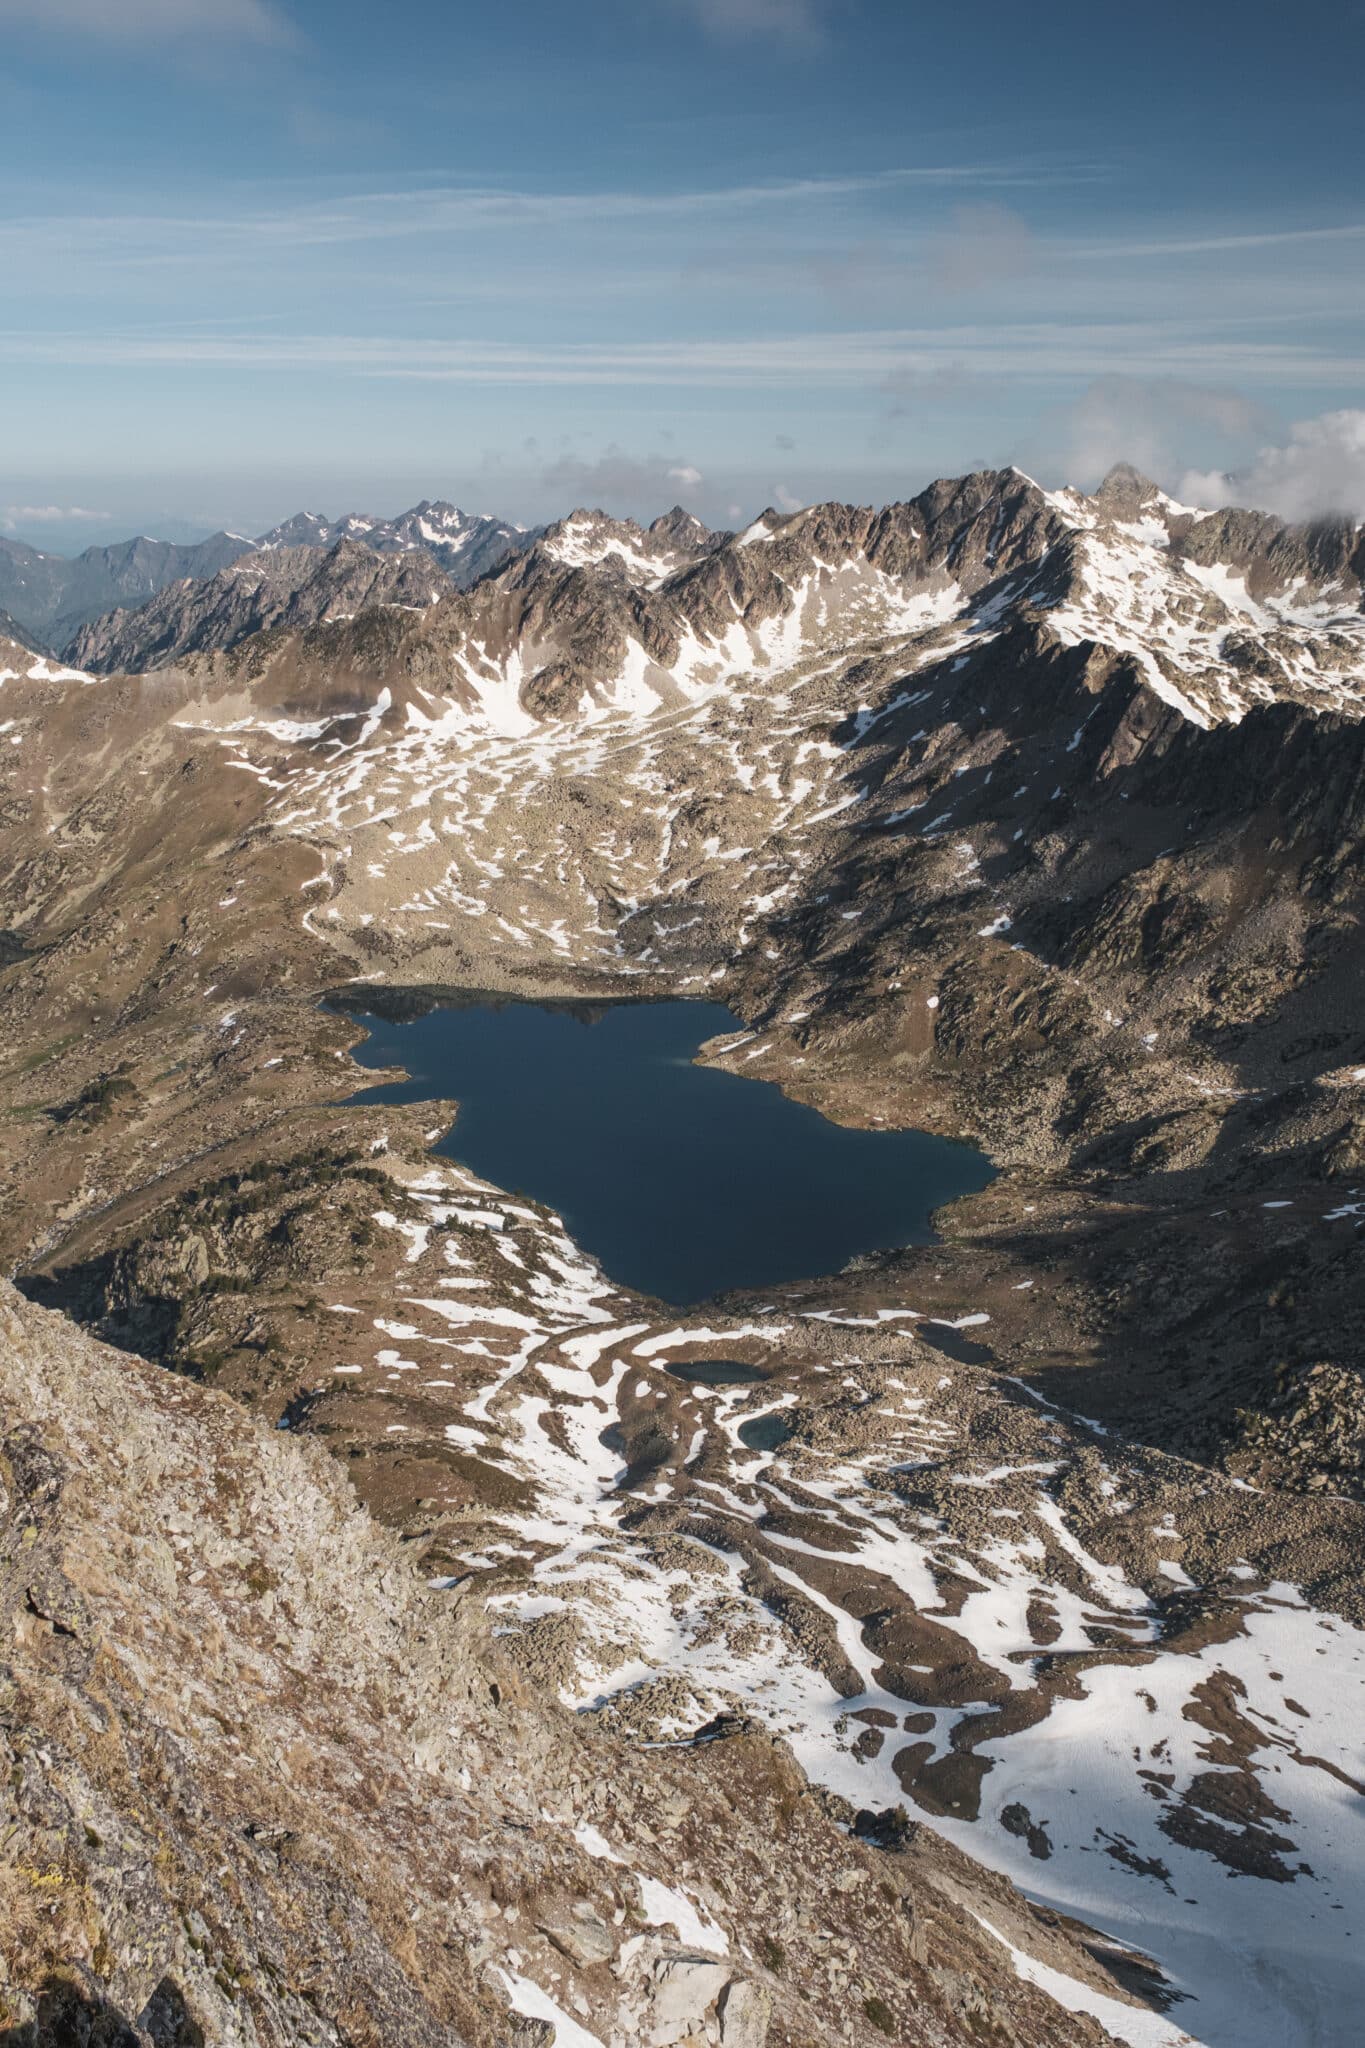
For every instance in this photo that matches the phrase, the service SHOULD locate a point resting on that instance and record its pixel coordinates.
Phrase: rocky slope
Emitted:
(311, 571)
(280, 588)
(20, 636)
(264, 1784)
(1025, 815)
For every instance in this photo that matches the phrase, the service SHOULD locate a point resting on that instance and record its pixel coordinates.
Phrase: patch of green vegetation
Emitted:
(772, 1955)
(227, 1283)
(98, 1100)
(257, 1186)
(44, 1053)
(880, 2014)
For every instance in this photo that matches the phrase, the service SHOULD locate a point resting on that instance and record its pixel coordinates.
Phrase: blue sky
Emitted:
(259, 254)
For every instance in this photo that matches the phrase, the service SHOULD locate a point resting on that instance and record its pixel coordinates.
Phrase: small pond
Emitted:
(716, 1372)
(681, 1180)
(765, 1432)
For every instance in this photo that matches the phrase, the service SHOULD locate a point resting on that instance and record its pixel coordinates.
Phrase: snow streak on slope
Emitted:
(1203, 644)
(477, 810)
(703, 791)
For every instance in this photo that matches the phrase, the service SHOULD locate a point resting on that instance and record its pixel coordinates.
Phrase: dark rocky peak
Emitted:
(346, 552)
(1125, 492)
(842, 528)
(977, 528)
(441, 516)
(304, 530)
(1325, 556)
(680, 529)
(951, 502)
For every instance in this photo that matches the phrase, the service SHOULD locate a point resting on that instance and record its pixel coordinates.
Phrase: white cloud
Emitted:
(785, 500)
(1319, 469)
(686, 475)
(1161, 424)
(135, 20)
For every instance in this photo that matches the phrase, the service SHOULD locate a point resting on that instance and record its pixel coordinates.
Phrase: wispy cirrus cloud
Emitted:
(116, 235)
(1217, 245)
(1130, 354)
(124, 21)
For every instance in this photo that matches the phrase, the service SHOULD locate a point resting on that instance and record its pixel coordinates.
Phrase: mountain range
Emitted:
(54, 595)
(1023, 816)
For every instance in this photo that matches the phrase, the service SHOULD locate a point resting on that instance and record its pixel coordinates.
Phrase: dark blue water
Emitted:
(765, 1432)
(716, 1372)
(681, 1180)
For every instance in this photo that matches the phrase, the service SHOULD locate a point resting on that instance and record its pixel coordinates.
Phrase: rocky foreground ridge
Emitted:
(262, 1784)
(1023, 815)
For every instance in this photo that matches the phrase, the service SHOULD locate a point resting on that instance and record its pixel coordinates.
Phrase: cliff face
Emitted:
(262, 1785)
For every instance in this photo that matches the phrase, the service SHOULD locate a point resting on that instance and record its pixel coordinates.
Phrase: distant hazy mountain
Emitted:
(311, 571)
(54, 594)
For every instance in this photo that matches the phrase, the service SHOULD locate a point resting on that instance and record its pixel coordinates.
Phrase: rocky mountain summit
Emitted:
(644, 555)
(1032, 817)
